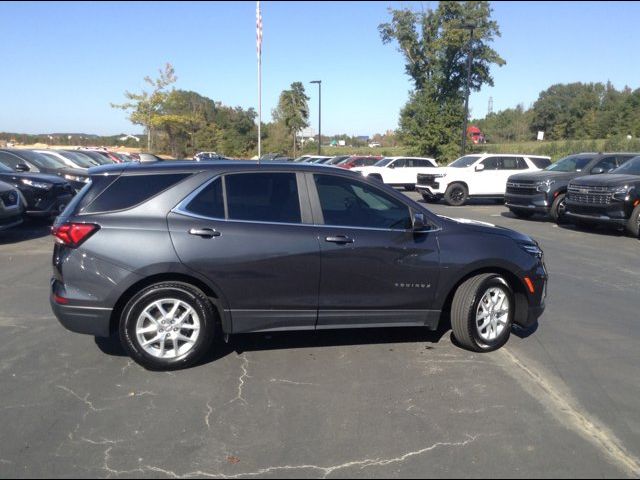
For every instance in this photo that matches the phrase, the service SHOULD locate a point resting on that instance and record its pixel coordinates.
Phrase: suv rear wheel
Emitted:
(633, 224)
(167, 326)
(456, 194)
(482, 312)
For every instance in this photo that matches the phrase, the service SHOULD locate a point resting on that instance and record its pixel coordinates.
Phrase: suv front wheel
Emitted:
(456, 194)
(482, 312)
(167, 326)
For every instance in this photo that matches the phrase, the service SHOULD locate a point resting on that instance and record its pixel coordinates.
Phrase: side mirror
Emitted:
(479, 167)
(418, 222)
(597, 171)
(22, 167)
(392, 165)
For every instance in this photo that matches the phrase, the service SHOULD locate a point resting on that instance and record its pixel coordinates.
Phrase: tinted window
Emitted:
(129, 191)
(41, 161)
(513, 163)
(209, 202)
(464, 162)
(540, 162)
(346, 202)
(421, 163)
(400, 163)
(492, 163)
(572, 163)
(631, 167)
(607, 164)
(263, 197)
(10, 160)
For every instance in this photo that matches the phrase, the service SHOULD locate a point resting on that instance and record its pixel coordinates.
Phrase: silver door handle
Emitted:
(204, 232)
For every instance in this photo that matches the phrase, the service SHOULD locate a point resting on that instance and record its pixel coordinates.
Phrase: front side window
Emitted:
(606, 164)
(9, 160)
(263, 197)
(513, 163)
(346, 202)
(492, 163)
(400, 163)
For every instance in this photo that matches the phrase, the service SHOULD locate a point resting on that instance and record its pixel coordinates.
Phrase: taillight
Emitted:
(74, 234)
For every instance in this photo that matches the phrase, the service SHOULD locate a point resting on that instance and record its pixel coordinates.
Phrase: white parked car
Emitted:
(399, 171)
(476, 176)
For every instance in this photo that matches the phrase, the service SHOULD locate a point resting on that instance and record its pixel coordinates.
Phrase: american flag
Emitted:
(258, 30)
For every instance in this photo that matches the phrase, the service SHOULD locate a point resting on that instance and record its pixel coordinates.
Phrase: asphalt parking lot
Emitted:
(561, 400)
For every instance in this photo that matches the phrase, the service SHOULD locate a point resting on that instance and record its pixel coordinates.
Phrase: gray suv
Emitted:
(170, 254)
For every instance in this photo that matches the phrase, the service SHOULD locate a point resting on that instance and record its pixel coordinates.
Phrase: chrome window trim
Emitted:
(181, 209)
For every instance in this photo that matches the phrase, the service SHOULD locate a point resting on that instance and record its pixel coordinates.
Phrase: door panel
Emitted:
(374, 271)
(267, 270)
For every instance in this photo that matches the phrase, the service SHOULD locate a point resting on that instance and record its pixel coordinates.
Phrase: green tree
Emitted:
(293, 111)
(435, 48)
(144, 106)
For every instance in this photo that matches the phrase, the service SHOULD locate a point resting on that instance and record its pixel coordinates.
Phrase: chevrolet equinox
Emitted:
(169, 254)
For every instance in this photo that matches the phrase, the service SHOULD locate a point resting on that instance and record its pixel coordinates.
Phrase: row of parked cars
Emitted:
(585, 189)
(41, 183)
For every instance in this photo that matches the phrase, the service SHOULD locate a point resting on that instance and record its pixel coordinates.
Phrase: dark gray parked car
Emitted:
(163, 252)
(11, 206)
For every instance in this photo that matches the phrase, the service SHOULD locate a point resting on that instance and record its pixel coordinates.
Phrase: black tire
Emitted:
(465, 306)
(633, 224)
(409, 188)
(521, 213)
(184, 292)
(456, 194)
(558, 208)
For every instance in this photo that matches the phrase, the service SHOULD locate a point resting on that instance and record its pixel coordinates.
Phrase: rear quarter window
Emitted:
(540, 162)
(127, 191)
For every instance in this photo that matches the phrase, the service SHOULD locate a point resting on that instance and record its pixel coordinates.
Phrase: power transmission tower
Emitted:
(490, 108)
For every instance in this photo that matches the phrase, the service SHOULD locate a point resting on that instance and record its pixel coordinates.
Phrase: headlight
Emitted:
(531, 248)
(545, 186)
(73, 178)
(34, 184)
(621, 193)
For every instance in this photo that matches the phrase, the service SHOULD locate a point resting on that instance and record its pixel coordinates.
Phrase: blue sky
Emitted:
(61, 64)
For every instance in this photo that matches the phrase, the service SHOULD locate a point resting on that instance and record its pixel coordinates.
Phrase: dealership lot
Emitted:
(558, 401)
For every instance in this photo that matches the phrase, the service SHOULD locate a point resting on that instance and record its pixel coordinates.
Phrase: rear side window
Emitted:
(209, 202)
(263, 197)
(128, 191)
(540, 162)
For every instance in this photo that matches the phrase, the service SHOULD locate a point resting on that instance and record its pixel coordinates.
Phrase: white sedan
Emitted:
(399, 171)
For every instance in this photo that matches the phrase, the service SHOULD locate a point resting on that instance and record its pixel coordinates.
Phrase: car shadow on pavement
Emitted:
(31, 229)
(539, 218)
(252, 342)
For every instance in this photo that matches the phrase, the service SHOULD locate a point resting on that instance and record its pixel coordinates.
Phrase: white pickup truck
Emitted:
(399, 171)
(476, 176)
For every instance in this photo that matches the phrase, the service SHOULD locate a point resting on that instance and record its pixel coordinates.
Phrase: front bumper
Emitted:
(50, 208)
(533, 203)
(615, 214)
(431, 191)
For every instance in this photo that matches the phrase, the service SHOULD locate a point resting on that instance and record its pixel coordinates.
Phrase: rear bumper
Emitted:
(80, 318)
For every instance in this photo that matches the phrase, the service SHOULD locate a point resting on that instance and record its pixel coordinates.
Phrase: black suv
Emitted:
(545, 191)
(612, 199)
(44, 195)
(163, 252)
(29, 161)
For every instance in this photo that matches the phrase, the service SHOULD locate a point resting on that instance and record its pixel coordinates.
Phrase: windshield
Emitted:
(336, 160)
(573, 163)
(5, 169)
(80, 159)
(41, 161)
(631, 167)
(464, 162)
(383, 163)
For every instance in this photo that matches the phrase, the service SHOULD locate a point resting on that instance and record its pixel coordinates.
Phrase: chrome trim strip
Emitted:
(85, 308)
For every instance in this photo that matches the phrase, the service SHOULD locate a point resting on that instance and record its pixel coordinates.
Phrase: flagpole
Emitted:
(259, 51)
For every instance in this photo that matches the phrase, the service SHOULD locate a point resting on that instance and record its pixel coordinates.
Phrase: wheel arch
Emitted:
(448, 290)
(214, 295)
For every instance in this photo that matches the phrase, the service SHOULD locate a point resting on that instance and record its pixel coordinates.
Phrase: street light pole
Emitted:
(466, 100)
(319, 82)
